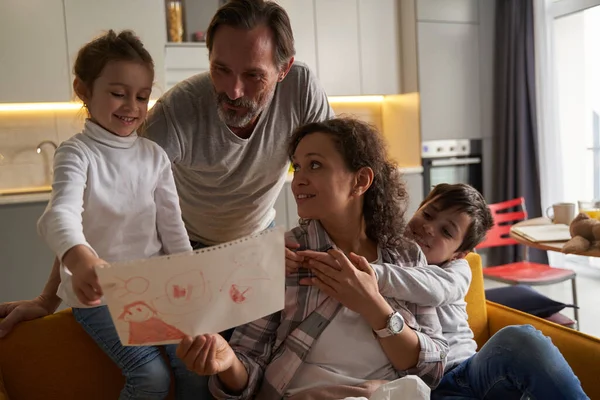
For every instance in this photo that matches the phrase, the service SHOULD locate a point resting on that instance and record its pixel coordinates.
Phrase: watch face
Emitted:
(396, 323)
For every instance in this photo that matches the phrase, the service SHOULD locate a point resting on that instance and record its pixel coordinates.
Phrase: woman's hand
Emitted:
(206, 354)
(293, 261)
(352, 281)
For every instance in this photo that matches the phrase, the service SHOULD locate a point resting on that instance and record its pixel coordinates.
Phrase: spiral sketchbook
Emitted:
(160, 300)
(544, 233)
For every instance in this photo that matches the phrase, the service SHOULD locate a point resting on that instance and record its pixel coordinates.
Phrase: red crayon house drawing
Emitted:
(145, 326)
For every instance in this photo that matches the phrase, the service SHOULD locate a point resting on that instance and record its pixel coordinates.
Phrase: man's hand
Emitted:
(15, 312)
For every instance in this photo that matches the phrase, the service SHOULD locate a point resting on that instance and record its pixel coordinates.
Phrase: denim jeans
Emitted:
(518, 362)
(147, 376)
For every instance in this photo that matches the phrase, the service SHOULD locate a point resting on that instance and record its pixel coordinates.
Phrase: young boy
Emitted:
(517, 362)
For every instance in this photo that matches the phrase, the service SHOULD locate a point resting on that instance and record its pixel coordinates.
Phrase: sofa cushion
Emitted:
(475, 299)
(526, 299)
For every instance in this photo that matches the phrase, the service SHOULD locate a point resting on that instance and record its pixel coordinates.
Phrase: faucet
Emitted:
(38, 150)
(50, 142)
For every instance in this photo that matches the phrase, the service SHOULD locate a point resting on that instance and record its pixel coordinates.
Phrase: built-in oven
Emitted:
(452, 161)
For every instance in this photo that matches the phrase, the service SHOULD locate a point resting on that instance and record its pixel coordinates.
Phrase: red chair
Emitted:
(523, 272)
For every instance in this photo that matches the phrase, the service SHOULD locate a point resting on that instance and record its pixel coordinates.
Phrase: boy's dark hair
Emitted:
(93, 56)
(361, 145)
(467, 199)
(248, 14)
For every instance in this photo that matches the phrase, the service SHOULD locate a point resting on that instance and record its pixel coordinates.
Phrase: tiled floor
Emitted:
(588, 292)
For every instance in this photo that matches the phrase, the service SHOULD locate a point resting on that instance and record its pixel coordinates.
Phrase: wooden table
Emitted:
(549, 246)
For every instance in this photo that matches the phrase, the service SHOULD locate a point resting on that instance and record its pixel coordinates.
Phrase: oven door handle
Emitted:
(455, 161)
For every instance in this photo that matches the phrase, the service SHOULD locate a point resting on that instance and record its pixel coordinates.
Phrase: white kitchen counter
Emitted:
(404, 170)
(45, 196)
(24, 198)
(412, 170)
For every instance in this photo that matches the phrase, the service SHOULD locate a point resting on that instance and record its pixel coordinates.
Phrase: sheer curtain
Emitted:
(549, 142)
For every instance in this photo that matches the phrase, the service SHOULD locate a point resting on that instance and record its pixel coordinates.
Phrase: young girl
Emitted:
(114, 199)
(337, 337)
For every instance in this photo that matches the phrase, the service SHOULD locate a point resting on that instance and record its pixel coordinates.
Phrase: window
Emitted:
(577, 61)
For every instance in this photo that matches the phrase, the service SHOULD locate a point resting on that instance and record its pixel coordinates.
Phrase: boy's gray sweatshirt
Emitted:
(443, 287)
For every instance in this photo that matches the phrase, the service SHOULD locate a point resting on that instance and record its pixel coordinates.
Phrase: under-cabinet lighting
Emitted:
(355, 99)
(40, 106)
(65, 106)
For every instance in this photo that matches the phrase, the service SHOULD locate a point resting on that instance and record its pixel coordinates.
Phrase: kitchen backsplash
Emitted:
(367, 111)
(21, 132)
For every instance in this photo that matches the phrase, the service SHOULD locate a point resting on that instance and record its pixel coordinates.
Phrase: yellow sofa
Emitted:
(52, 358)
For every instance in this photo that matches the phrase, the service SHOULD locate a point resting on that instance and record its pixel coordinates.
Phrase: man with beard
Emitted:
(225, 132)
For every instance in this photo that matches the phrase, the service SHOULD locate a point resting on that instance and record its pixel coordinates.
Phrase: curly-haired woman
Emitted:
(351, 198)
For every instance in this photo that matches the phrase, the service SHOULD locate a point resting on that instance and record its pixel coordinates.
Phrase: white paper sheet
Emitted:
(159, 300)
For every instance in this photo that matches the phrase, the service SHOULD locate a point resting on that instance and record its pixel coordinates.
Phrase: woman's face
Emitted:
(322, 184)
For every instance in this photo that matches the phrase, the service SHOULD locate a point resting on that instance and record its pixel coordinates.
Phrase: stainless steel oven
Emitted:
(452, 161)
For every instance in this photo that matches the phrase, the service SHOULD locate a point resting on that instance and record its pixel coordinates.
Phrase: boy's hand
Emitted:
(293, 261)
(351, 280)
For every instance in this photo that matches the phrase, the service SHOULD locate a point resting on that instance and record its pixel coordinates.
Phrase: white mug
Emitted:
(563, 213)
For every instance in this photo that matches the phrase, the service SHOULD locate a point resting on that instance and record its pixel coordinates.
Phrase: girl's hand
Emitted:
(85, 283)
(351, 281)
(293, 261)
(206, 354)
(81, 260)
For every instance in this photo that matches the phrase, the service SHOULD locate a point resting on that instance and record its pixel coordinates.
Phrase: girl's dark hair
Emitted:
(248, 14)
(361, 145)
(93, 57)
(467, 199)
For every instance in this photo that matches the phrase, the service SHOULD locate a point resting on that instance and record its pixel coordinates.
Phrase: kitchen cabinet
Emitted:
(414, 187)
(449, 81)
(338, 56)
(25, 260)
(281, 210)
(301, 14)
(358, 47)
(86, 19)
(183, 61)
(33, 56)
(462, 11)
(351, 45)
(379, 41)
(292, 208)
(285, 208)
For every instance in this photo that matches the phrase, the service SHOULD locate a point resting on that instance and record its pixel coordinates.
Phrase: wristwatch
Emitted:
(395, 325)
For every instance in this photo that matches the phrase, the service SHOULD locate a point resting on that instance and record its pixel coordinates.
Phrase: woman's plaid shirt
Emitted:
(273, 348)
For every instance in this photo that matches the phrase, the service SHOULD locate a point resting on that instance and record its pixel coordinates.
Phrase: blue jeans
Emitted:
(518, 362)
(147, 376)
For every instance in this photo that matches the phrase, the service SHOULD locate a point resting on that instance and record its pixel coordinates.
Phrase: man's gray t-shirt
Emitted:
(227, 185)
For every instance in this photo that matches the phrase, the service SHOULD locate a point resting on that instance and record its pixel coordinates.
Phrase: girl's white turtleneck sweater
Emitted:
(115, 195)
